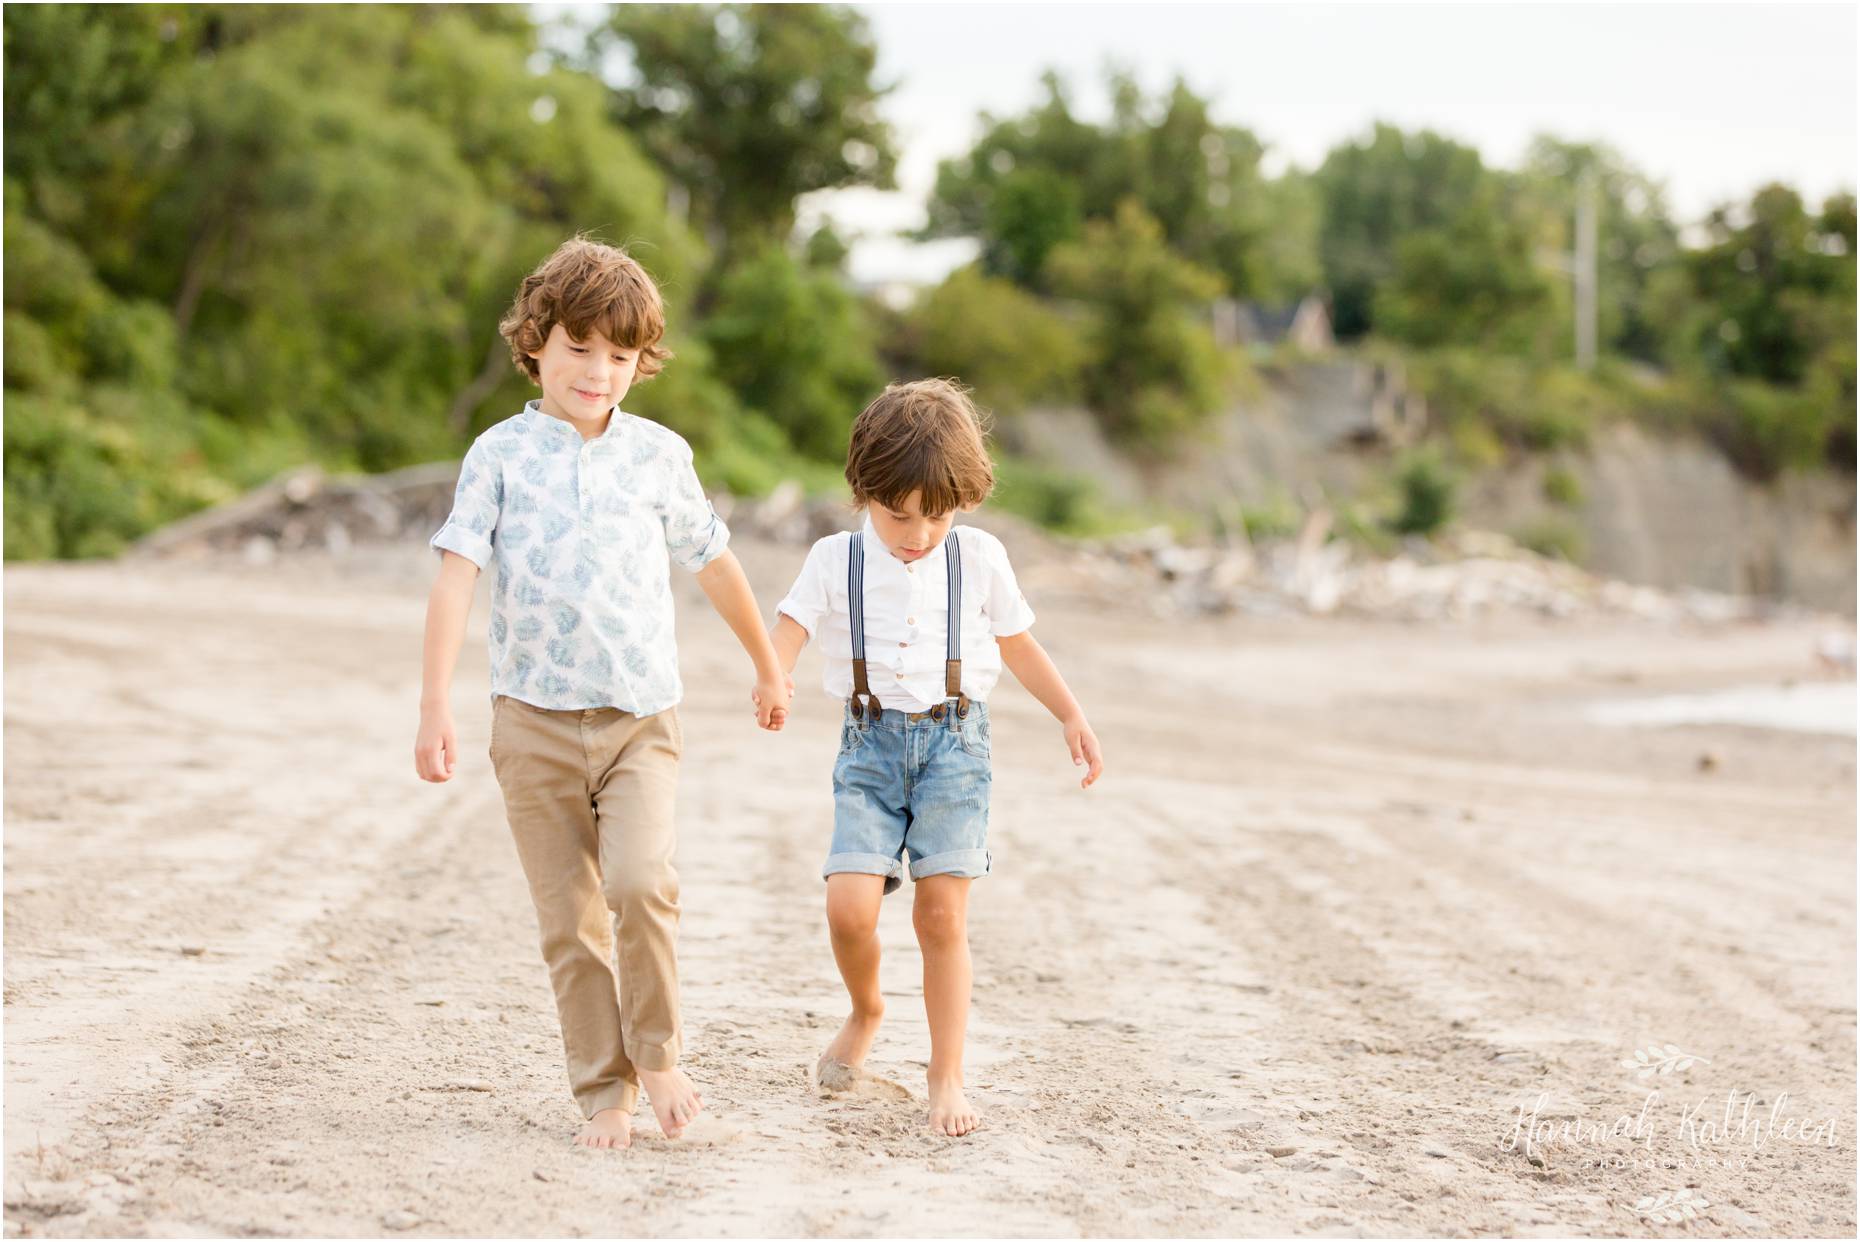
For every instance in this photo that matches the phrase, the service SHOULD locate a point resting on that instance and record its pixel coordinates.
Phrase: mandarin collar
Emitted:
(878, 548)
(548, 424)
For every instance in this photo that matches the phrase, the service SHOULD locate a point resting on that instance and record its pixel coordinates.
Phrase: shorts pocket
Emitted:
(852, 737)
(974, 735)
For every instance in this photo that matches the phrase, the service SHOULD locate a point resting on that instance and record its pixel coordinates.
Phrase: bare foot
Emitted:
(949, 1110)
(839, 1066)
(674, 1100)
(611, 1127)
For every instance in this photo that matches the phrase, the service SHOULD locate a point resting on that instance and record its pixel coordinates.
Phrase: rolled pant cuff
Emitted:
(865, 864)
(655, 1057)
(621, 1095)
(969, 864)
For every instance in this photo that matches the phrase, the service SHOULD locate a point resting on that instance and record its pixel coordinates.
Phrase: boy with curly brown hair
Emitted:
(584, 508)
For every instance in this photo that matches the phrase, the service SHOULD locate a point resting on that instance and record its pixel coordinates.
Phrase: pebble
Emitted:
(1280, 1153)
(400, 1219)
(467, 1084)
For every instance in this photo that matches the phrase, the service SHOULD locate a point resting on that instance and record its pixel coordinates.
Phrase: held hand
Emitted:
(436, 749)
(1083, 744)
(771, 699)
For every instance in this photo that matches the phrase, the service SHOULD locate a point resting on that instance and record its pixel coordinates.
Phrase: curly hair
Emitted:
(587, 286)
(925, 436)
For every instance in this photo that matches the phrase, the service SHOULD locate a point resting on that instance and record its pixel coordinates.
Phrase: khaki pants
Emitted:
(589, 795)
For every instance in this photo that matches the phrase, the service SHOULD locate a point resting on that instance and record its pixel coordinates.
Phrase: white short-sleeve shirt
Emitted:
(907, 615)
(582, 535)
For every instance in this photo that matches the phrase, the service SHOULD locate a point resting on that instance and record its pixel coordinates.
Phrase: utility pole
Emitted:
(1584, 268)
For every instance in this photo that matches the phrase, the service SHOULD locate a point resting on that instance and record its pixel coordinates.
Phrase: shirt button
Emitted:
(903, 644)
(910, 620)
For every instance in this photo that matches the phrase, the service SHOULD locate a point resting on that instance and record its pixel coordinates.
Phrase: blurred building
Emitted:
(1304, 324)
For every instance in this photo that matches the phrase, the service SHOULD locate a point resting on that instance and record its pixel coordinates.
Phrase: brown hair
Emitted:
(923, 436)
(587, 287)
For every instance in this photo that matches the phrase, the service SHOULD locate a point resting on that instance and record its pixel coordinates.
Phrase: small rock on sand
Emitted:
(400, 1219)
(1280, 1153)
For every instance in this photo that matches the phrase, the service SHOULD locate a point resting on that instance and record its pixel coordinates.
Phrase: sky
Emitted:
(1710, 100)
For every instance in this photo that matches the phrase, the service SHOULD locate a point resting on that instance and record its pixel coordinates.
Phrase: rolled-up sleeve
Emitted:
(807, 600)
(471, 527)
(1007, 610)
(694, 534)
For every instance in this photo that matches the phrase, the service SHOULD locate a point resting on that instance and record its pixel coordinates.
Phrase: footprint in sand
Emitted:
(706, 1131)
(837, 1078)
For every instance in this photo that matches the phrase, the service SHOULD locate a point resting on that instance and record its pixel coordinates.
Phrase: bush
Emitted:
(1427, 489)
(1562, 487)
(792, 345)
(1154, 372)
(1009, 346)
(80, 483)
(1052, 498)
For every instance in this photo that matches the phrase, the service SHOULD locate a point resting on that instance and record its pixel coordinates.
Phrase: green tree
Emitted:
(1636, 233)
(1475, 280)
(750, 106)
(792, 345)
(1013, 348)
(1377, 192)
(1154, 372)
(1030, 180)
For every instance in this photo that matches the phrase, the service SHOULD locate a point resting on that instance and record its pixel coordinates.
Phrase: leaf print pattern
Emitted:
(582, 611)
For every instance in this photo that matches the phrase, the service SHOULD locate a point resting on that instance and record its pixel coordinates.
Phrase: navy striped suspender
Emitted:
(865, 704)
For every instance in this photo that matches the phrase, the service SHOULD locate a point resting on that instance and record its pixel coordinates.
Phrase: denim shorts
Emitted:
(915, 788)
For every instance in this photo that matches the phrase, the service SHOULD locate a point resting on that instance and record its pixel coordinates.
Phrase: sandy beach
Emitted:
(1352, 938)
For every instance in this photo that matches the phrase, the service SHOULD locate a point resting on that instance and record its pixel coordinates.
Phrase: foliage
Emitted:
(750, 106)
(1428, 490)
(1154, 371)
(791, 343)
(1030, 182)
(1376, 193)
(1562, 487)
(1010, 346)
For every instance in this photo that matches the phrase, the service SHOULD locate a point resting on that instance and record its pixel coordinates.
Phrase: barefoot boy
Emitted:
(916, 618)
(584, 508)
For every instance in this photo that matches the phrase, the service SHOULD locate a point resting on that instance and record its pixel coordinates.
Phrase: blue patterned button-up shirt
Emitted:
(583, 533)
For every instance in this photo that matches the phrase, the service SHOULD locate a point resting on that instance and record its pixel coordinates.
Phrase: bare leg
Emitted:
(941, 914)
(852, 919)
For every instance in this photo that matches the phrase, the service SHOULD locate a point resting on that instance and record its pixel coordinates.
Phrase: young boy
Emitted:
(916, 618)
(584, 507)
